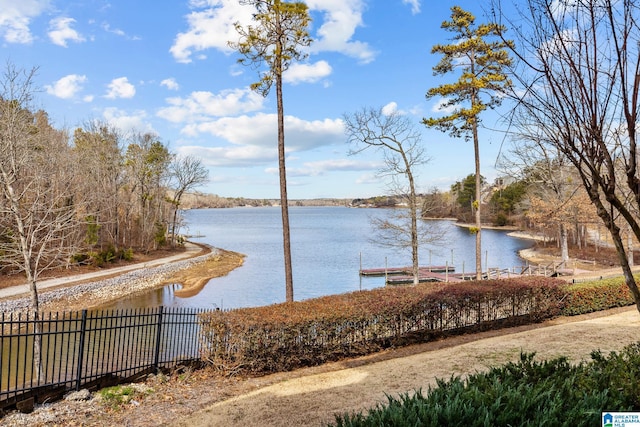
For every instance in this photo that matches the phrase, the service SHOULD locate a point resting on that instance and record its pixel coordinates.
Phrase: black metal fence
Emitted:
(90, 349)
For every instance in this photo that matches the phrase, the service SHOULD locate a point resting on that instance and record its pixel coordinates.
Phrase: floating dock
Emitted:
(404, 275)
(427, 276)
(405, 271)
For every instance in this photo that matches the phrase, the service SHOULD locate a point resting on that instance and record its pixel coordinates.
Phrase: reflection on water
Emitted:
(329, 245)
(153, 298)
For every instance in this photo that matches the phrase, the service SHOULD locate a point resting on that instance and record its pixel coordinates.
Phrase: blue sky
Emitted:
(165, 67)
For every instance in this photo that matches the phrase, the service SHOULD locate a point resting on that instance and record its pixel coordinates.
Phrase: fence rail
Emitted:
(44, 356)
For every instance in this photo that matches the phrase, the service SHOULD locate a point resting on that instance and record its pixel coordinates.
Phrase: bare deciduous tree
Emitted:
(98, 146)
(38, 222)
(579, 81)
(554, 191)
(186, 173)
(396, 137)
(37, 172)
(147, 161)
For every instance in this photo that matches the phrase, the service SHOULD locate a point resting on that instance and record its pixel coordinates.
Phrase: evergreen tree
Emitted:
(482, 78)
(276, 41)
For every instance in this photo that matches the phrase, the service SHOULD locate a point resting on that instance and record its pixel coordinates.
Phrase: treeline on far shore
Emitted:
(197, 200)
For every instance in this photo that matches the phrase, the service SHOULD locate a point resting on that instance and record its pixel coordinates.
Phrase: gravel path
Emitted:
(141, 279)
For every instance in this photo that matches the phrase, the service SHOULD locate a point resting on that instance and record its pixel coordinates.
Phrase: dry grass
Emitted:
(311, 396)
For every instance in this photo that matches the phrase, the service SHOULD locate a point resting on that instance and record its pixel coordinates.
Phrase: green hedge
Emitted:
(596, 296)
(528, 393)
(286, 336)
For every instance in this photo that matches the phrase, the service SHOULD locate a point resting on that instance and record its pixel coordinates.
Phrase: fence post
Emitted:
(156, 359)
(83, 331)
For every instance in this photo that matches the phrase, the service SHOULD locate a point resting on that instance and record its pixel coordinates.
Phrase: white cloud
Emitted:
(202, 105)
(170, 84)
(128, 122)
(67, 87)
(60, 31)
(117, 31)
(369, 178)
(261, 131)
(415, 5)
(211, 25)
(308, 73)
(15, 17)
(322, 167)
(442, 106)
(120, 88)
(340, 20)
(234, 156)
(390, 108)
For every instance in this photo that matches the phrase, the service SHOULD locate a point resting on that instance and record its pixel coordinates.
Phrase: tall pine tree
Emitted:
(275, 41)
(481, 63)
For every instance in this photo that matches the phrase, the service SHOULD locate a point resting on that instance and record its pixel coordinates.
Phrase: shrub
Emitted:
(160, 236)
(126, 254)
(527, 393)
(501, 220)
(105, 256)
(286, 336)
(80, 258)
(597, 295)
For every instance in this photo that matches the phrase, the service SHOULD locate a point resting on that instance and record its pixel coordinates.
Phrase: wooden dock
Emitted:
(404, 275)
(427, 276)
(404, 271)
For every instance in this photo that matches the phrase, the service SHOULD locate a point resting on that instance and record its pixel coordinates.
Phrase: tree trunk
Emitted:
(173, 226)
(414, 223)
(564, 244)
(284, 201)
(37, 329)
(476, 149)
(630, 247)
(624, 263)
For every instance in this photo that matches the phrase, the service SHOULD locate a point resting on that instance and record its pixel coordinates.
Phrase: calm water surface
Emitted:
(328, 246)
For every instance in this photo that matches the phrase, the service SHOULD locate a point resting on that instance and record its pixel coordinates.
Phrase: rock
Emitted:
(26, 406)
(80, 395)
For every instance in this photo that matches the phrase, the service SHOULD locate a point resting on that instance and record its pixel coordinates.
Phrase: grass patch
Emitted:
(118, 396)
(526, 393)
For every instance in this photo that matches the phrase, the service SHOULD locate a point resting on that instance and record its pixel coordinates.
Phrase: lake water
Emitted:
(329, 244)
